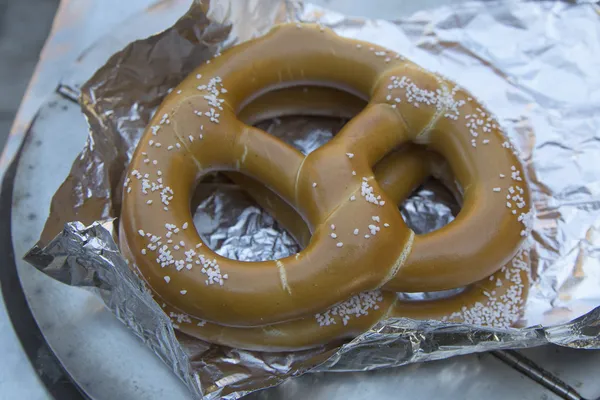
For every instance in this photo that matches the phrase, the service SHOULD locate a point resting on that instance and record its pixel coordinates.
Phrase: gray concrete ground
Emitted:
(24, 25)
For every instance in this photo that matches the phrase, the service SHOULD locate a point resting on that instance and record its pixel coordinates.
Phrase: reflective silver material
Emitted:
(535, 64)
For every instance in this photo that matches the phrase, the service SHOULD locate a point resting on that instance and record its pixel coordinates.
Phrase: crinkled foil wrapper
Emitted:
(536, 66)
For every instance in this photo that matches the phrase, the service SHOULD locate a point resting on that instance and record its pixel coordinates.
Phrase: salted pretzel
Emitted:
(359, 241)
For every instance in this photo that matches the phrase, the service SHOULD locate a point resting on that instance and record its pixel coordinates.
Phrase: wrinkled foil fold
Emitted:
(535, 64)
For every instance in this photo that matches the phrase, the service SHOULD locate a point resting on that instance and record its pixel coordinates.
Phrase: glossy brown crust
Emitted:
(304, 333)
(406, 104)
(300, 334)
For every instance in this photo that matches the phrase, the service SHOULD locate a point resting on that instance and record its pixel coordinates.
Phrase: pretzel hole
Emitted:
(232, 223)
(431, 206)
(304, 116)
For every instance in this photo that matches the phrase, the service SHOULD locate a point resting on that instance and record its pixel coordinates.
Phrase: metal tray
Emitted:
(76, 345)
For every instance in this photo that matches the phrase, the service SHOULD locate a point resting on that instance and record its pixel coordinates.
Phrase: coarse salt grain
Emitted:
(500, 311)
(374, 229)
(356, 307)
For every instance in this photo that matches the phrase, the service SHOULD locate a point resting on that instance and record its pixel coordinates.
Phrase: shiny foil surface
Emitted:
(536, 66)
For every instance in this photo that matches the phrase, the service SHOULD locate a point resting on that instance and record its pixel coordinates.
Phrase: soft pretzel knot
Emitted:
(359, 244)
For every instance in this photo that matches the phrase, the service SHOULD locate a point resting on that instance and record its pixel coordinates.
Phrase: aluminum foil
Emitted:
(536, 66)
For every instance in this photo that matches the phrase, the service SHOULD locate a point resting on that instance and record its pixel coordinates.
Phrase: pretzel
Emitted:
(196, 131)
